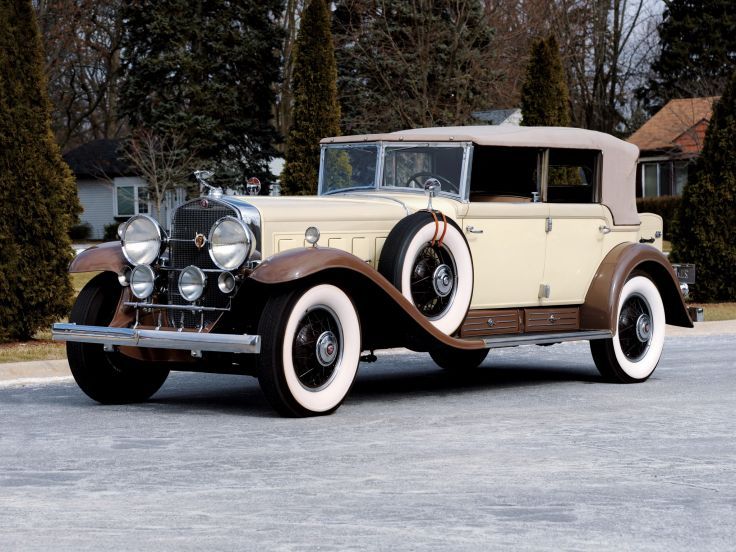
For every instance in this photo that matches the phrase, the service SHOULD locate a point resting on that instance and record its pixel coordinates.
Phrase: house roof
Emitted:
(677, 117)
(498, 116)
(96, 159)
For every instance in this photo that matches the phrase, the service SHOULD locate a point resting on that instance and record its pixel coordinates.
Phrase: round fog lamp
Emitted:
(312, 235)
(231, 243)
(142, 281)
(142, 238)
(191, 283)
(226, 282)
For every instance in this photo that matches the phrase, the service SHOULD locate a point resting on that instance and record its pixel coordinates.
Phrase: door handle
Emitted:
(474, 230)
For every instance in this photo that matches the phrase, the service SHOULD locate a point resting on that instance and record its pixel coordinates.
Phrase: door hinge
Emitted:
(548, 225)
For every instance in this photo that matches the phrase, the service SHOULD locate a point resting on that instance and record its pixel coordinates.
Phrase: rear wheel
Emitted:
(310, 350)
(634, 352)
(108, 378)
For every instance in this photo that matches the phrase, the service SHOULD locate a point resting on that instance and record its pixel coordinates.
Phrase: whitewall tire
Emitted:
(310, 350)
(634, 351)
(436, 278)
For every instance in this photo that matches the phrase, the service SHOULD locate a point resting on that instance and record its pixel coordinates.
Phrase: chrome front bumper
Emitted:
(157, 339)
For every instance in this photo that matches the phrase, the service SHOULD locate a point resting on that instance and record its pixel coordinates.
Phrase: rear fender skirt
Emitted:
(599, 310)
(99, 258)
(298, 264)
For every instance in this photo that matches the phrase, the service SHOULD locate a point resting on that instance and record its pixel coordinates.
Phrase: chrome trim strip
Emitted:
(497, 342)
(190, 308)
(157, 339)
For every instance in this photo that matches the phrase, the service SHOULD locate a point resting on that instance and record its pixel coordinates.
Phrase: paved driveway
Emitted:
(530, 452)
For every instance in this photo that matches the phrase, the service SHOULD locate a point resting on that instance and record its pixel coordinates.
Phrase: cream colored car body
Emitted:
(524, 254)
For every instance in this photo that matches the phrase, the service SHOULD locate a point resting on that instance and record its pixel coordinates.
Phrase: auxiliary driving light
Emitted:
(142, 281)
(226, 282)
(191, 283)
(311, 235)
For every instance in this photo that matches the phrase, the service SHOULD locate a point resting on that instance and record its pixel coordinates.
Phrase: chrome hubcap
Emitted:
(326, 348)
(644, 328)
(442, 280)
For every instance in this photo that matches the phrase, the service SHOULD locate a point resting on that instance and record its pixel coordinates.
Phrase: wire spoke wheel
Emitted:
(317, 348)
(635, 327)
(433, 280)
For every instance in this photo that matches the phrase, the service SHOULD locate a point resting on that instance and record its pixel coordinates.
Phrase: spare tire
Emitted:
(435, 277)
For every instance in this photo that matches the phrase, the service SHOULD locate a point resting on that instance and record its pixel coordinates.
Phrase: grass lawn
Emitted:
(717, 311)
(41, 347)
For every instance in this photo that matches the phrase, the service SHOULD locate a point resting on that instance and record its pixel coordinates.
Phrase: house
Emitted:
(498, 116)
(669, 143)
(109, 191)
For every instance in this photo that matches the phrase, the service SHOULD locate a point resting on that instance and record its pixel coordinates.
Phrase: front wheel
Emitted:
(108, 378)
(634, 351)
(310, 350)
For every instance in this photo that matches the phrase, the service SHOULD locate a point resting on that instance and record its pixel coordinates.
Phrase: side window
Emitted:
(572, 176)
(503, 172)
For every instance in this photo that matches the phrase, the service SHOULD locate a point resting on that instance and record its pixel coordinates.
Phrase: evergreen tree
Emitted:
(698, 51)
(204, 71)
(38, 201)
(316, 112)
(706, 232)
(545, 99)
(413, 63)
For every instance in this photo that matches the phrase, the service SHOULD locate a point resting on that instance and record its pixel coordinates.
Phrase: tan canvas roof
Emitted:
(676, 117)
(619, 157)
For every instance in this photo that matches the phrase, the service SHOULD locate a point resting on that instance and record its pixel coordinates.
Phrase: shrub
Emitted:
(665, 206)
(111, 232)
(706, 231)
(80, 231)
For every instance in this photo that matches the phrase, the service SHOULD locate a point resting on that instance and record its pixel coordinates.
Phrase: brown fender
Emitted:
(296, 264)
(104, 257)
(599, 310)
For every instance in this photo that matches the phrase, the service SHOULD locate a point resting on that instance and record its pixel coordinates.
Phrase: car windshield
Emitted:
(412, 166)
(348, 166)
(353, 166)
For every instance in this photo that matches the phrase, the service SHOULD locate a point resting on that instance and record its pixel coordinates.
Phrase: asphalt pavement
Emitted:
(530, 452)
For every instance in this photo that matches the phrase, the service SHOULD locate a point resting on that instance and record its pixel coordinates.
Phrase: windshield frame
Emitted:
(467, 161)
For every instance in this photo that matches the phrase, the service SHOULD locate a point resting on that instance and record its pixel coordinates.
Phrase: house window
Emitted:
(131, 197)
(680, 179)
(657, 179)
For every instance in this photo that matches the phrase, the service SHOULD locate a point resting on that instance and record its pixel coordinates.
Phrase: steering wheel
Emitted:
(420, 177)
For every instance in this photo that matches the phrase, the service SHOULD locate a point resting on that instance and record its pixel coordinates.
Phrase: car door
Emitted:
(577, 225)
(507, 241)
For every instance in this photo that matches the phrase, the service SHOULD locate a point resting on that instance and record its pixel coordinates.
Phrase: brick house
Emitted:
(669, 143)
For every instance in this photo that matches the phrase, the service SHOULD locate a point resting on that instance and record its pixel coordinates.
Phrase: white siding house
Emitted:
(108, 192)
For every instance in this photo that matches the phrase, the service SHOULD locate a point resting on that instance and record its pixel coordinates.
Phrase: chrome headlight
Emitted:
(231, 243)
(142, 240)
(191, 283)
(142, 281)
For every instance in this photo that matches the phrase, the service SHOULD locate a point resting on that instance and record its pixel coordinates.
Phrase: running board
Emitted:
(497, 342)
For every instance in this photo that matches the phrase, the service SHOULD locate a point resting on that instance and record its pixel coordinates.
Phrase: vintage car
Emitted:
(451, 241)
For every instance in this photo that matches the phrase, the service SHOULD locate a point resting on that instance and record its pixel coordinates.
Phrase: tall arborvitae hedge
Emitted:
(316, 111)
(38, 199)
(706, 232)
(545, 98)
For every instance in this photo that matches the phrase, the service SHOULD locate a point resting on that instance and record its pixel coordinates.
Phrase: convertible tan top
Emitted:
(618, 187)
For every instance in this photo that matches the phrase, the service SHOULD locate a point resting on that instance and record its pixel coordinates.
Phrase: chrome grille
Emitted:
(195, 217)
